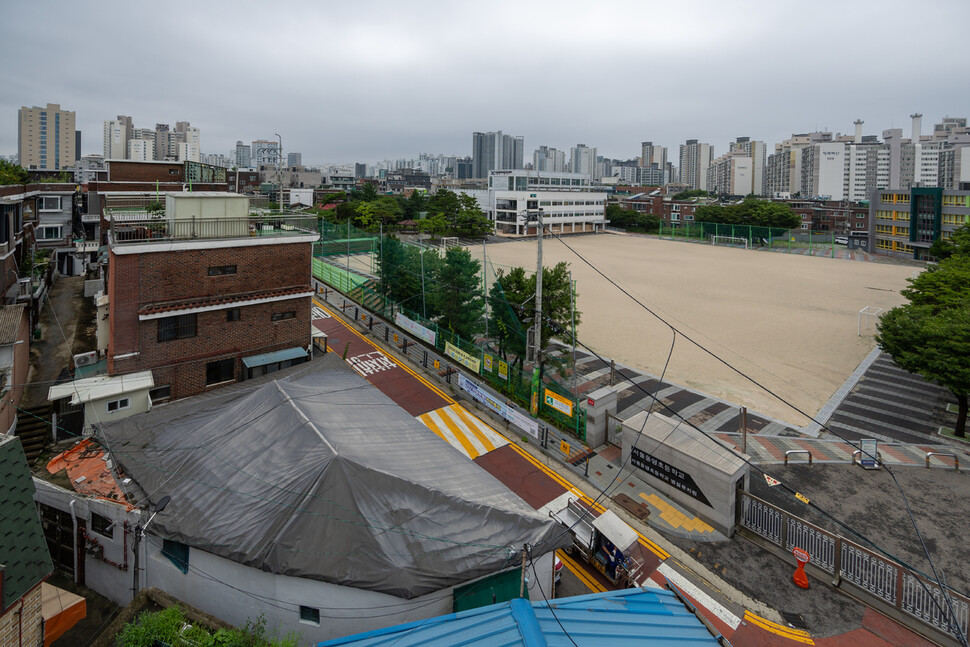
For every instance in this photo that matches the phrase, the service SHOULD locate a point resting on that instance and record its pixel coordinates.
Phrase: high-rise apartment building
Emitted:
(46, 137)
(496, 151)
(582, 160)
(695, 158)
(117, 132)
(549, 159)
(243, 155)
(740, 171)
(294, 159)
(141, 150)
(650, 154)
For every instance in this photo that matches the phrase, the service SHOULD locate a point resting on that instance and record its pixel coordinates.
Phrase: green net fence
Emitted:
(505, 373)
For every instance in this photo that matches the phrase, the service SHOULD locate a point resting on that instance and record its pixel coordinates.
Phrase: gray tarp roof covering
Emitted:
(320, 475)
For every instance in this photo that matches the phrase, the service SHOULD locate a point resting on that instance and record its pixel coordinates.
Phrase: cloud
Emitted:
(373, 80)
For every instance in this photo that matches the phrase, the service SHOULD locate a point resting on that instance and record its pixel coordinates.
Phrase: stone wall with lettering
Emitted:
(686, 467)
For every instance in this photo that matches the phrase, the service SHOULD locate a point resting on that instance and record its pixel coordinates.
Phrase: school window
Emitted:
(280, 316)
(221, 371)
(102, 525)
(222, 270)
(177, 327)
(177, 552)
(118, 405)
(232, 314)
(309, 615)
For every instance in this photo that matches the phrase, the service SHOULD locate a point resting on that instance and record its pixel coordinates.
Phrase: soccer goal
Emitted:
(447, 242)
(865, 315)
(730, 241)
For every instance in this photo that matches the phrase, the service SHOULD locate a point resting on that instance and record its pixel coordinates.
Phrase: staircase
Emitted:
(34, 430)
(368, 295)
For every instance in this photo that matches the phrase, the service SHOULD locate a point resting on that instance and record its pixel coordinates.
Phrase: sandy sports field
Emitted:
(788, 321)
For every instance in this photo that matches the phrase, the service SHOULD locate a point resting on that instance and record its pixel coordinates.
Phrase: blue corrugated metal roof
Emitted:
(641, 617)
(275, 356)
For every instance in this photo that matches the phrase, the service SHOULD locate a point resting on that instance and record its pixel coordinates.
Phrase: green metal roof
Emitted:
(23, 549)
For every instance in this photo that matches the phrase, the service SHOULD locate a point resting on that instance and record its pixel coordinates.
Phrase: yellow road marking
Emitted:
(781, 630)
(472, 423)
(649, 545)
(432, 418)
(675, 517)
(580, 573)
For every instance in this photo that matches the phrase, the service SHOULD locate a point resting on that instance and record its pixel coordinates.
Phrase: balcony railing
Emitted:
(139, 227)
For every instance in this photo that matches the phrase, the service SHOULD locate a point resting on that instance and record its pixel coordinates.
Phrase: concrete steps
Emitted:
(34, 430)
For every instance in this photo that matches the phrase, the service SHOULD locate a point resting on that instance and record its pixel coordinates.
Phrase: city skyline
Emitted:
(340, 87)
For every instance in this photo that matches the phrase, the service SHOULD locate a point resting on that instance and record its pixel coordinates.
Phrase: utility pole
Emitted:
(537, 336)
(279, 171)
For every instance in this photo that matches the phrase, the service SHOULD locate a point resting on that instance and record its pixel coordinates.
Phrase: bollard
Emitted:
(387, 331)
(802, 557)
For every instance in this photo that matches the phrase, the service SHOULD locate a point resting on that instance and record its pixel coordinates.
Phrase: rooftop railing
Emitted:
(131, 226)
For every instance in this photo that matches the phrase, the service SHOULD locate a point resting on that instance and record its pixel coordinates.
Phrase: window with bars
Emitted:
(221, 371)
(177, 327)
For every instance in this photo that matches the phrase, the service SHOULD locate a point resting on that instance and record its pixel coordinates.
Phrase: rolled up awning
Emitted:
(274, 357)
(61, 610)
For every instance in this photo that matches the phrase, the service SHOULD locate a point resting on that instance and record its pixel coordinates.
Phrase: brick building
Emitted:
(205, 295)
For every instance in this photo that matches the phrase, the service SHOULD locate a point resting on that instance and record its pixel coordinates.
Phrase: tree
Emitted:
(414, 205)
(515, 298)
(366, 193)
(936, 346)
(930, 335)
(12, 173)
(471, 221)
(630, 219)
(692, 193)
(384, 210)
(958, 243)
(751, 211)
(458, 296)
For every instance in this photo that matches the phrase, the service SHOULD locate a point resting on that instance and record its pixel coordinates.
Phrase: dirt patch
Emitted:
(788, 321)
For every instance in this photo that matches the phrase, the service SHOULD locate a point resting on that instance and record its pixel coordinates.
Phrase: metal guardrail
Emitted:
(798, 451)
(910, 593)
(956, 459)
(134, 227)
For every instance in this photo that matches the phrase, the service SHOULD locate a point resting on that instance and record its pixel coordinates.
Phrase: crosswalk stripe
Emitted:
(440, 423)
(462, 430)
(485, 434)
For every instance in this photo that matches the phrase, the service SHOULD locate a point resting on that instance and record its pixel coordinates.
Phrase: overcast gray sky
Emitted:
(365, 81)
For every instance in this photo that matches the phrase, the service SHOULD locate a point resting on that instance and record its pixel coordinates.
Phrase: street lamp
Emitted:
(537, 333)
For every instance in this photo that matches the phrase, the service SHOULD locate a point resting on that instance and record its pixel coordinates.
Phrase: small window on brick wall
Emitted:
(221, 371)
(232, 314)
(178, 327)
(280, 316)
(222, 270)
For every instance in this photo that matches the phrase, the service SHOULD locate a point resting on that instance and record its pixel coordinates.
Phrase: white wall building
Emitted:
(141, 150)
(568, 202)
(695, 158)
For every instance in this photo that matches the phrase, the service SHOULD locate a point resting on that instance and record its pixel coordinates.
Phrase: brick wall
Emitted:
(160, 279)
(121, 171)
(27, 628)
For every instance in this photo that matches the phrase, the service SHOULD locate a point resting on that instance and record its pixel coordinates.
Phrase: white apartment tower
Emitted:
(117, 132)
(695, 158)
(582, 160)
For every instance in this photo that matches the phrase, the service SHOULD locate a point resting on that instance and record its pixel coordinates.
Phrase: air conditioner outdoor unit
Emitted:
(86, 359)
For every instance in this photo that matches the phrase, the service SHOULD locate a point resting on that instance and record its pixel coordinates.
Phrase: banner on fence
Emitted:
(534, 403)
(503, 370)
(523, 422)
(487, 361)
(470, 362)
(558, 403)
(415, 328)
